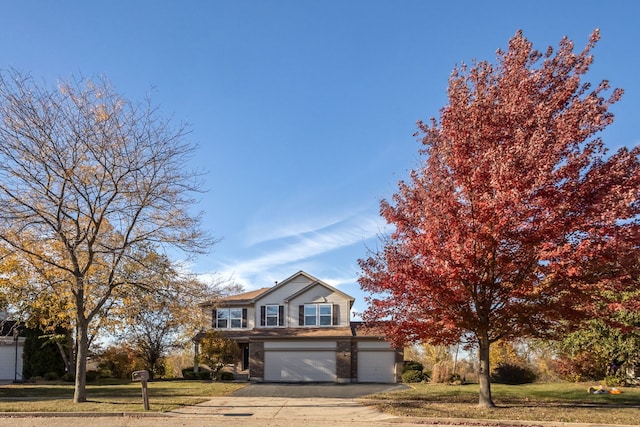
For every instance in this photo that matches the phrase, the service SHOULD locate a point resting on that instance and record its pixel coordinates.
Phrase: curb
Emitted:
(85, 414)
(473, 422)
(482, 422)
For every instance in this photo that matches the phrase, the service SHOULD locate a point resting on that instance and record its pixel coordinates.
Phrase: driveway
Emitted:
(318, 390)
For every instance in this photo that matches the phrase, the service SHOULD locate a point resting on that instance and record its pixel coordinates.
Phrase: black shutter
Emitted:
(263, 315)
(301, 315)
(214, 317)
(244, 317)
(281, 315)
(336, 314)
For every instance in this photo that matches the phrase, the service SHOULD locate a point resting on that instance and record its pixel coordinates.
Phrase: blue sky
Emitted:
(304, 111)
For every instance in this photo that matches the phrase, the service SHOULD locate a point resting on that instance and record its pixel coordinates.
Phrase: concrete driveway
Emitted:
(321, 390)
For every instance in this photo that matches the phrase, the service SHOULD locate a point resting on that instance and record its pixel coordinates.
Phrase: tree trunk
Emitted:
(82, 337)
(484, 374)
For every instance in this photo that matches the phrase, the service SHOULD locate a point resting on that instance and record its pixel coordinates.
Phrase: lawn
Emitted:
(560, 402)
(110, 396)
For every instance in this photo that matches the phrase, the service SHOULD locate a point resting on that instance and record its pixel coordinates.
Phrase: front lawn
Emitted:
(110, 396)
(560, 402)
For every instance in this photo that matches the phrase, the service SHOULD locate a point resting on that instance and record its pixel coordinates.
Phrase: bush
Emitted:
(51, 376)
(68, 377)
(615, 381)
(411, 365)
(188, 374)
(512, 374)
(224, 376)
(581, 367)
(412, 376)
(91, 376)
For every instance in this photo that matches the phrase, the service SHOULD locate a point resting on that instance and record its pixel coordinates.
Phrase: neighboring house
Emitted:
(11, 349)
(300, 330)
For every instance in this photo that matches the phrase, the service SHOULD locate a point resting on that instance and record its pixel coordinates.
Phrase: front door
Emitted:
(245, 357)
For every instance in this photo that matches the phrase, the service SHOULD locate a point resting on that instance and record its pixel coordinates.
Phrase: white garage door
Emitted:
(8, 361)
(376, 363)
(304, 364)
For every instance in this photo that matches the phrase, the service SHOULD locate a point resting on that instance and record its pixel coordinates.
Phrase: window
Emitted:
(235, 315)
(324, 314)
(317, 315)
(271, 315)
(230, 318)
(222, 320)
(310, 315)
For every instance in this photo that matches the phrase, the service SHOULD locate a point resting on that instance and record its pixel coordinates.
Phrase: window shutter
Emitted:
(263, 315)
(301, 315)
(214, 317)
(336, 314)
(281, 315)
(244, 317)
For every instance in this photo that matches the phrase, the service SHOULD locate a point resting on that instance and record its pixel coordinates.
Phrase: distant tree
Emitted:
(217, 351)
(604, 346)
(119, 361)
(517, 218)
(88, 179)
(161, 310)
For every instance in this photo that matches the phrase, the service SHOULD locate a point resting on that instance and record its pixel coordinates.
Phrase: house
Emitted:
(300, 330)
(11, 348)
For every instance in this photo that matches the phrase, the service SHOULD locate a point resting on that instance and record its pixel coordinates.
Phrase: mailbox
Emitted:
(143, 377)
(140, 376)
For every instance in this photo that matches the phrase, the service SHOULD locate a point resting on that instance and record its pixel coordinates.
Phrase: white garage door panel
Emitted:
(299, 366)
(8, 362)
(376, 366)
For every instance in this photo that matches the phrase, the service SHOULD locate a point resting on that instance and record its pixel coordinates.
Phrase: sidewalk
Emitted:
(234, 411)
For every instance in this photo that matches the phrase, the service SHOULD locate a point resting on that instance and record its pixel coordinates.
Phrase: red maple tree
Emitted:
(518, 218)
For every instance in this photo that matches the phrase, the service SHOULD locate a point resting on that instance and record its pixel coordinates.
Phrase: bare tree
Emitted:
(87, 178)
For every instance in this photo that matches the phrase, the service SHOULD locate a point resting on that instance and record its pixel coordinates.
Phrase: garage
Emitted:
(8, 360)
(376, 363)
(300, 362)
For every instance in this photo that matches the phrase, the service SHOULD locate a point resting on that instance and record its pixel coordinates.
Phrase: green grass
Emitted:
(560, 402)
(111, 396)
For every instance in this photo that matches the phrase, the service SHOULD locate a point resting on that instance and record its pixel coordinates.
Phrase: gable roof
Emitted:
(246, 296)
(314, 281)
(252, 296)
(329, 287)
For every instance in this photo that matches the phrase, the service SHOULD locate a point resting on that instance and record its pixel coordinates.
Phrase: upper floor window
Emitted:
(317, 315)
(230, 318)
(272, 315)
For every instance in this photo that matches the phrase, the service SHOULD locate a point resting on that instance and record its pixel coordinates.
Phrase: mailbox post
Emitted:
(143, 377)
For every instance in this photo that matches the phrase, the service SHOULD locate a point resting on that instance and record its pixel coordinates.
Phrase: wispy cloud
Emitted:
(297, 245)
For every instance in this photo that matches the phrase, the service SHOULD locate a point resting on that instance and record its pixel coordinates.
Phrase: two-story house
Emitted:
(300, 330)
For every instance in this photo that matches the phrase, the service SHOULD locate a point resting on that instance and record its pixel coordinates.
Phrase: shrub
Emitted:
(411, 365)
(412, 376)
(68, 377)
(615, 381)
(189, 374)
(51, 376)
(225, 376)
(512, 374)
(581, 367)
(91, 376)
